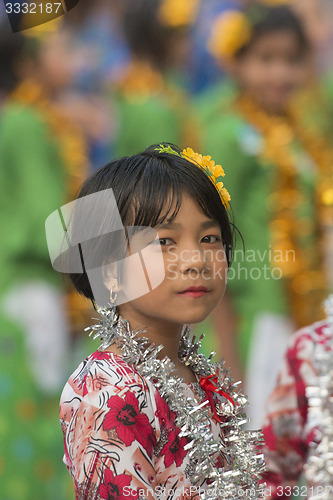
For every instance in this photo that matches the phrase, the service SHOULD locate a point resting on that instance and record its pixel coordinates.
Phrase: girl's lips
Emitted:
(194, 291)
(192, 294)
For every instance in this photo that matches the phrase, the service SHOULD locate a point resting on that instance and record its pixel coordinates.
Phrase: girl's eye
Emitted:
(163, 241)
(211, 238)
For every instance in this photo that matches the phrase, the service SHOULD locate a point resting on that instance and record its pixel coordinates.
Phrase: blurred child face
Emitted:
(193, 256)
(55, 62)
(179, 50)
(272, 69)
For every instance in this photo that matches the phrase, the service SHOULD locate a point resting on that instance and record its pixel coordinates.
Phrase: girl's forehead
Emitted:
(153, 209)
(188, 213)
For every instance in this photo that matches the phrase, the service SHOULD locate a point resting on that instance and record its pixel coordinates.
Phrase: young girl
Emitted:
(151, 232)
(280, 180)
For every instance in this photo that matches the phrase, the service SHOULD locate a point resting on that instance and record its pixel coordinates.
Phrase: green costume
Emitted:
(151, 110)
(32, 184)
(145, 122)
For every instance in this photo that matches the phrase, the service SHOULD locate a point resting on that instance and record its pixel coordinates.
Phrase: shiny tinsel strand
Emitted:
(244, 466)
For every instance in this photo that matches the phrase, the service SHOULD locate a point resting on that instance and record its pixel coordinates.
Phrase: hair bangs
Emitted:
(157, 196)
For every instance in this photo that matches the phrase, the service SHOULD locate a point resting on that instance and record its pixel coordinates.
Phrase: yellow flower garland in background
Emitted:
(305, 277)
(73, 149)
(140, 81)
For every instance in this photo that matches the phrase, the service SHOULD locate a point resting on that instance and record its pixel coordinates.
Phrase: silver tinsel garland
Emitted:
(319, 466)
(244, 464)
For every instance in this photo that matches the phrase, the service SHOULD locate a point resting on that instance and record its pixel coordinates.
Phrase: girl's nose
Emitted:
(193, 261)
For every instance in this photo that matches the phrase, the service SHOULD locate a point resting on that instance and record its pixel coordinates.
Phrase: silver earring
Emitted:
(113, 294)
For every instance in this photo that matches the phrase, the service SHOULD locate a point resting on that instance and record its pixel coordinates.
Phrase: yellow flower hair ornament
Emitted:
(205, 163)
(230, 32)
(178, 13)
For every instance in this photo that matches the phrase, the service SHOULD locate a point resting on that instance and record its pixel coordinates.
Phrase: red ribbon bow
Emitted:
(209, 385)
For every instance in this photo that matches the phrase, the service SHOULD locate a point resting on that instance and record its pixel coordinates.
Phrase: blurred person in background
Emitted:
(151, 100)
(298, 420)
(317, 18)
(203, 71)
(281, 176)
(98, 35)
(95, 30)
(42, 156)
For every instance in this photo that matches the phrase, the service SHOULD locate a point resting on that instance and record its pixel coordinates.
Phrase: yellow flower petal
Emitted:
(225, 194)
(188, 152)
(218, 171)
(213, 171)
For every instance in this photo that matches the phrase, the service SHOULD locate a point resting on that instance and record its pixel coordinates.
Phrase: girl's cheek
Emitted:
(171, 267)
(220, 258)
(171, 255)
(171, 260)
(171, 271)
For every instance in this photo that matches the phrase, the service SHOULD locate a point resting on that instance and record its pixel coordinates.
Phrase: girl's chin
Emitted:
(194, 319)
(196, 315)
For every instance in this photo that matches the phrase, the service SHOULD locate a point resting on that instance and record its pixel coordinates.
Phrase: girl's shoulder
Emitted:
(107, 367)
(100, 375)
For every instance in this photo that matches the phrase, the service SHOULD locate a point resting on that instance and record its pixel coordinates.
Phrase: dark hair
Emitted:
(11, 50)
(147, 37)
(142, 185)
(264, 20)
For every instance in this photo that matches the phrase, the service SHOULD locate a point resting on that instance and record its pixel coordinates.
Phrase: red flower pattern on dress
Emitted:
(130, 424)
(164, 413)
(140, 418)
(174, 449)
(286, 431)
(112, 488)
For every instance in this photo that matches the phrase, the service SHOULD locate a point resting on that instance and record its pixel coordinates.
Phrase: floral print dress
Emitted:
(286, 428)
(120, 437)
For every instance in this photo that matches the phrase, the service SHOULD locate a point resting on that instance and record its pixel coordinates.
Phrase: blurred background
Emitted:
(227, 78)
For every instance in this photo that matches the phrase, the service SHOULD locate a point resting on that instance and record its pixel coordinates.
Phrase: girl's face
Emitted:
(272, 69)
(195, 271)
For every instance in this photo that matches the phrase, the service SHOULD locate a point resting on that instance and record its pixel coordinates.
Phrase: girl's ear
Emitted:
(110, 278)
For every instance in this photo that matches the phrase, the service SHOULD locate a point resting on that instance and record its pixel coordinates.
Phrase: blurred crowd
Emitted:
(108, 79)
